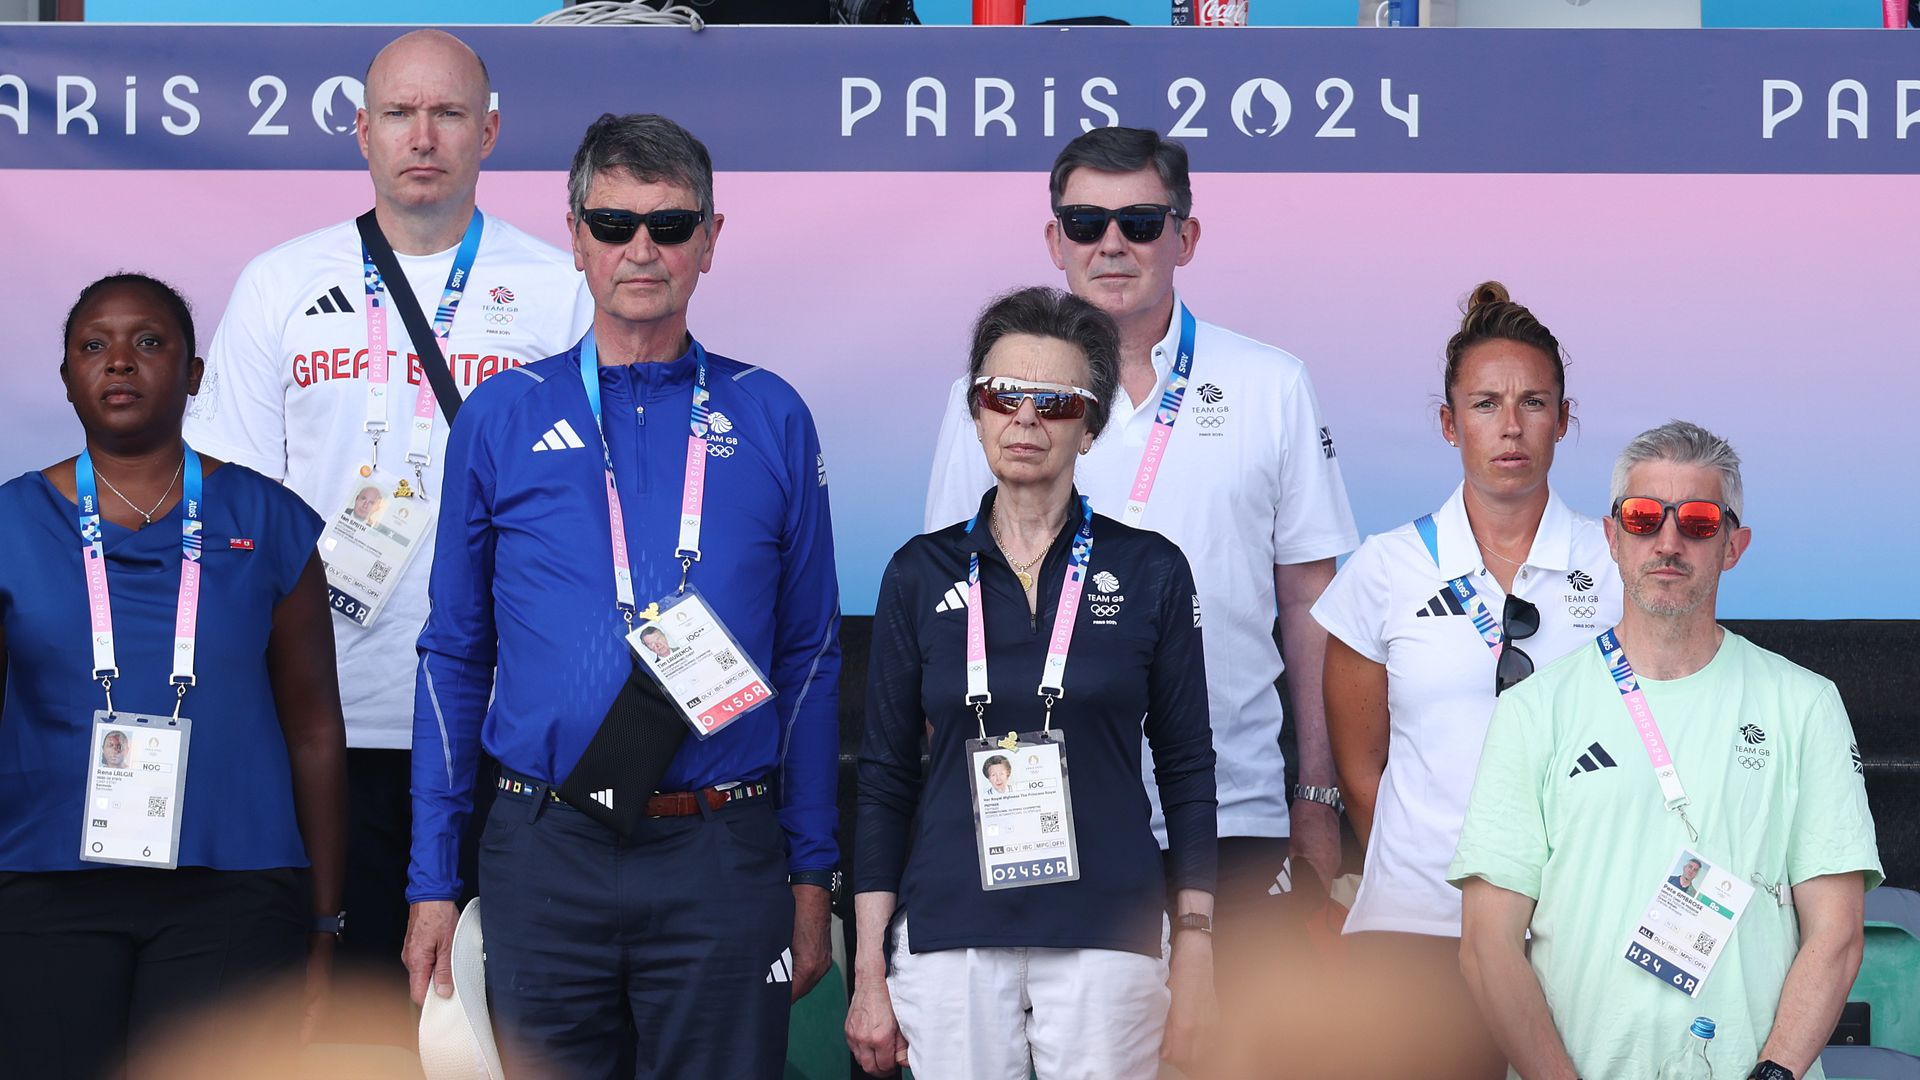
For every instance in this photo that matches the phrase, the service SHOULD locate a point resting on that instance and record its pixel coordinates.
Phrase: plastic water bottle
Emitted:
(1691, 1062)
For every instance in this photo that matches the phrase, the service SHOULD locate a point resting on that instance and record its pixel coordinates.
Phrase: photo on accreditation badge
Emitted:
(113, 749)
(998, 770)
(369, 503)
(1688, 873)
(659, 644)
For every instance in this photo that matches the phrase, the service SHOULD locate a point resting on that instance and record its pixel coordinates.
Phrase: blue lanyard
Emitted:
(1163, 421)
(1462, 586)
(94, 562)
(1053, 676)
(693, 490)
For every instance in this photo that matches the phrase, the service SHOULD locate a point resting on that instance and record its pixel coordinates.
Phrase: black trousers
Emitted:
(379, 841)
(92, 962)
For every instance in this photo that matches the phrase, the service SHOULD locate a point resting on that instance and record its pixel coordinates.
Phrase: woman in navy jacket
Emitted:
(97, 953)
(971, 963)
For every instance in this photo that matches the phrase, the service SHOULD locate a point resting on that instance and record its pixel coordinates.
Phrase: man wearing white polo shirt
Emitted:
(1218, 443)
(315, 378)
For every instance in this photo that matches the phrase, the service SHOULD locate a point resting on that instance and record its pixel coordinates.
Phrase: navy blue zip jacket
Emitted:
(1135, 664)
(523, 592)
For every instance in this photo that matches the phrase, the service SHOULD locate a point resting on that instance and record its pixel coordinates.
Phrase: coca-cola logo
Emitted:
(1223, 12)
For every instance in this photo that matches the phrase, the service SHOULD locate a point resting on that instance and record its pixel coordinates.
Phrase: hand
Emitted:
(319, 984)
(1195, 1012)
(1316, 838)
(428, 952)
(812, 922)
(872, 1032)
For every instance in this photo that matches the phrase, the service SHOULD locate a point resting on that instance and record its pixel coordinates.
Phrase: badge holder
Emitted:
(1685, 928)
(1022, 809)
(370, 542)
(136, 781)
(683, 645)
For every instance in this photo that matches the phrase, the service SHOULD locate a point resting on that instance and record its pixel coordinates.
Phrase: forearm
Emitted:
(871, 913)
(319, 766)
(1303, 646)
(1515, 1008)
(450, 701)
(1810, 1000)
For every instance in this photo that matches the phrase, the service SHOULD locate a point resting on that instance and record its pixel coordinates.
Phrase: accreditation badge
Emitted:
(683, 644)
(369, 542)
(136, 778)
(1022, 819)
(1687, 924)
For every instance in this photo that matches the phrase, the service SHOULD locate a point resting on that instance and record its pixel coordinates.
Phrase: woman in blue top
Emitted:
(1031, 912)
(160, 614)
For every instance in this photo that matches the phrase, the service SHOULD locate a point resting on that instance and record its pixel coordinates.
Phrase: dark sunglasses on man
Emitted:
(1051, 401)
(1520, 619)
(1699, 519)
(1140, 224)
(664, 227)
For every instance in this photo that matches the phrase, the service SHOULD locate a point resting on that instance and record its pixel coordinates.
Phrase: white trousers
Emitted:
(992, 1014)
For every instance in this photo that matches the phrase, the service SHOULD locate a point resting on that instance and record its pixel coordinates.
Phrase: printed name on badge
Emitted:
(1685, 929)
(136, 778)
(1022, 816)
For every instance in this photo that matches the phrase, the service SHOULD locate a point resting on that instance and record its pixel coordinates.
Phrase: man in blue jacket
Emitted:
(670, 946)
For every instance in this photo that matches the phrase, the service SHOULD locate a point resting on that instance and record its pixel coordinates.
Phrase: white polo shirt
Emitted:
(1250, 481)
(285, 394)
(1392, 604)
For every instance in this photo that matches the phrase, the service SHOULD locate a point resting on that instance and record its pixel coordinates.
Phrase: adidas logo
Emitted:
(1443, 602)
(955, 600)
(604, 797)
(331, 302)
(559, 437)
(782, 969)
(1593, 760)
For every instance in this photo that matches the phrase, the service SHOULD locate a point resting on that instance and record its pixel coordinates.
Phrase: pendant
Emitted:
(1026, 579)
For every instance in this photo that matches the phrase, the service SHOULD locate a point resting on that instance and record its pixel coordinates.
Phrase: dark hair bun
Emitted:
(1487, 292)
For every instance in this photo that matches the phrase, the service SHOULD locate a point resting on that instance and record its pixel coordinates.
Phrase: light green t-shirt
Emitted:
(1566, 810)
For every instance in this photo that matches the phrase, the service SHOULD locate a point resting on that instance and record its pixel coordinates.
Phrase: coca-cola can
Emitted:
(1223, 12)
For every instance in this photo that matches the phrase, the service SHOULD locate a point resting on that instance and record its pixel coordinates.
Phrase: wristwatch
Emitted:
(1769, 1070)
(1325, 796)
(329, 924)
(1194, 921)
(826, 879)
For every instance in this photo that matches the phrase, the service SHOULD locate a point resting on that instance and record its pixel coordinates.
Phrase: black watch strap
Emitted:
(1770, 1070)
(826, 879)
(330, 924)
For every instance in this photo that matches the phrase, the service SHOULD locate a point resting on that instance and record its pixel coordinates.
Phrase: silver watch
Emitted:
(1325, 796)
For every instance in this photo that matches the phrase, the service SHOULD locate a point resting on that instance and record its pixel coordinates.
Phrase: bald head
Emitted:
(431, 50)
(424, 129)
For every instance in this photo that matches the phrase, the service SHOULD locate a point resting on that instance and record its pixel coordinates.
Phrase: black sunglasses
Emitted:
(1520, 619)
(664, 227)
(1140, 224)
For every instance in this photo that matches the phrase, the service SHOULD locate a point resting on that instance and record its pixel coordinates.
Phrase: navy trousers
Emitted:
(664, 955)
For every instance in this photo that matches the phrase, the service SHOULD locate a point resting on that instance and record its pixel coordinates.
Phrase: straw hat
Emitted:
(456, 1038)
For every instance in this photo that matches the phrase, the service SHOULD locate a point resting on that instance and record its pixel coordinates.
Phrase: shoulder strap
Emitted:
(1428, 534)
(401, 294)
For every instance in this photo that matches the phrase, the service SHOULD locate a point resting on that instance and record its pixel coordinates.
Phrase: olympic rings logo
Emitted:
(720, 450)
(1579, 612)
(1210, 421)
(1753, 762)
(1104, 611)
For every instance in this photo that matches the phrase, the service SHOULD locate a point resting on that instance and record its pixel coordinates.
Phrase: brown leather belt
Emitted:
(660, 804)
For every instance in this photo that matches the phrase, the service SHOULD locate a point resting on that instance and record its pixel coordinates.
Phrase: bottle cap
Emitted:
(1703, 1027)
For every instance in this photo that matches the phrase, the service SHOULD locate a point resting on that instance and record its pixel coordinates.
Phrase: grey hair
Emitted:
(1052, 313)
(1682, 443)
(646, 146)
(1125, 150)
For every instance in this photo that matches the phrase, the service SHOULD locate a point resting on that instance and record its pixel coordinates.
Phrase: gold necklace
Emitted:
(1020, 569)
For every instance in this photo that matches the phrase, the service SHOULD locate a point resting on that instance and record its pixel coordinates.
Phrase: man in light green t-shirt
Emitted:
(1569, 833)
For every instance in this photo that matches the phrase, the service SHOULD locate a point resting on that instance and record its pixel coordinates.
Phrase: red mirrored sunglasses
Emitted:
(1696, 518)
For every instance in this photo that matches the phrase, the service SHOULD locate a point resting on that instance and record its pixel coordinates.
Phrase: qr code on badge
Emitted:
(726, 660)
(156, 806)
(1050, 821)
(1704, 944)
(378, 572)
